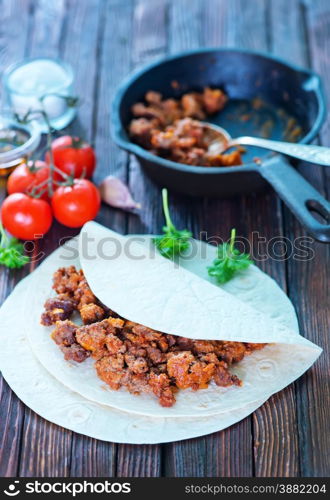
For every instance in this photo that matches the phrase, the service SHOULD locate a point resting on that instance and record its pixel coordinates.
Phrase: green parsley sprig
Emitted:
(229, 261)
(173, 242)
(11, 251)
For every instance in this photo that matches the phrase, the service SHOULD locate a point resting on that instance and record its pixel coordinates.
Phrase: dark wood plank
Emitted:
(47, 28)
(45, 450)
(273, 454)
(149, 42)
(317, 25)
(138, 461)
(13, 41)
(91, 457)
(309, 282)
(115, 54)
(222, 454)
(11, 423)
(15, 32)
(185, 21)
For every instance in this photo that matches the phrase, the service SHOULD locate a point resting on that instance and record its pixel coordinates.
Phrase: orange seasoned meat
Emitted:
(132, 356)
(187, 371)
(65, 336)
(57, 308)
(90, 313)
(172, 128)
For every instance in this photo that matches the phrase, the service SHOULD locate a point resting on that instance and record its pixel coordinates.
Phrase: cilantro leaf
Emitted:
(229, 261)
(173, 241)
(11, 251)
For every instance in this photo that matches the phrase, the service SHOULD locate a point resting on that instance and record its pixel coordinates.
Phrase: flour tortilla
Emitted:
(53, 401)
(263, 373)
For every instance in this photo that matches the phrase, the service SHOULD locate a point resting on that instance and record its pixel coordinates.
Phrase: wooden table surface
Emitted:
(104, 41)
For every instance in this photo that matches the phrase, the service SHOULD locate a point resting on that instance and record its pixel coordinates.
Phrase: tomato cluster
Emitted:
(38, 192)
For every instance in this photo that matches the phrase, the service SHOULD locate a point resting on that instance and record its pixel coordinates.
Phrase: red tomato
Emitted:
(73, 156)
(27, 177)
(74, 205)
(26, 218)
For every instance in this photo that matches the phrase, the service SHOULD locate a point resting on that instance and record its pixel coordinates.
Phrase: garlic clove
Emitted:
(116, 194)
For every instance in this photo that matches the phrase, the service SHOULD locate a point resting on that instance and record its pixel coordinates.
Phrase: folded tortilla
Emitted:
(49, 398)
(128, 276)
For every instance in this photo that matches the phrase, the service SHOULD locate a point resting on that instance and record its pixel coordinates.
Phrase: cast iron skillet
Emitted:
(265, 94)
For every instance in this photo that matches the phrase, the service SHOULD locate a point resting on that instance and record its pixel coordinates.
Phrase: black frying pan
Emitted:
(267, 98)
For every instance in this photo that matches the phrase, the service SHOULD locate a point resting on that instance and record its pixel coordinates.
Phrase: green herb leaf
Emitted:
(173, 242)
(229, 261)
(11, 251)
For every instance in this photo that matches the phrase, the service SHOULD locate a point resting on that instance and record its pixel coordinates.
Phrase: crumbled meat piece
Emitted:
(156, 356)
(214, 100)
(141, 110)
(110, 370)
(184, 344)
(73, 283)
(57, 308)
(153, 97)
(134, 349)
(114, 344)
(203, 346)
(192, 106)
(134, 356)
(116, 322)
(91, 313)
(92, 338)
(171, 128)
(137, 383)
(136, 365)
(230, 352)
(224, 159)
(160, 385)
(74, 352)
(141, 131)
(223, 377)
(64, 333)
(66, 280)
(189, 372)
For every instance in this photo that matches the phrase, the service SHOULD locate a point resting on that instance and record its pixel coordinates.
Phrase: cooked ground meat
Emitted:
(134, 356)
(65, 338)
(171, 128)
(57, 309)
(90, 313)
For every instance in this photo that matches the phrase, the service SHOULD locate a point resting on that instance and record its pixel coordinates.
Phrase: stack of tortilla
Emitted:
(128, 275)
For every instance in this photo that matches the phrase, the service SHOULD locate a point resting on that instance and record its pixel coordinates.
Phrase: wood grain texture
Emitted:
(308, 281)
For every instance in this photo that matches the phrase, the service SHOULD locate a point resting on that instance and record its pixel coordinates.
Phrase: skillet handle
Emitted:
(299, 196)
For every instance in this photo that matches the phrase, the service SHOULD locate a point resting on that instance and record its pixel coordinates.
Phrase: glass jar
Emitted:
(41, 84)
(17, 142)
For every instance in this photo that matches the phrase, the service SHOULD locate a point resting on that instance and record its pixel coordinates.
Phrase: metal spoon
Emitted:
(219, 141)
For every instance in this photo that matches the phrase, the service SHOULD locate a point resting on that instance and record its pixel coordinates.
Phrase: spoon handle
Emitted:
(305, 152)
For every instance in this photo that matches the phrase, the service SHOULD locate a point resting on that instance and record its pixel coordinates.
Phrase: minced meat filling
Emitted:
(171, 128)
(133, 356)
